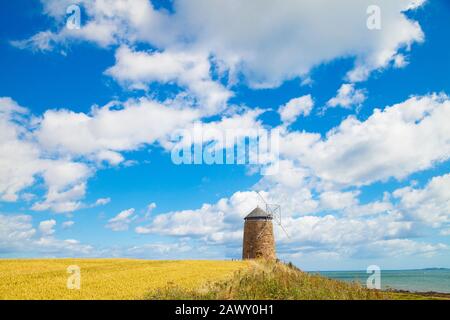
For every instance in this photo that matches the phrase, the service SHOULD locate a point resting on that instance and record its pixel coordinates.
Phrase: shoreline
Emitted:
(427, 294)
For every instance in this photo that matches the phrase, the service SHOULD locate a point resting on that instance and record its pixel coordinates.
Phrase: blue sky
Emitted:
(86, 117)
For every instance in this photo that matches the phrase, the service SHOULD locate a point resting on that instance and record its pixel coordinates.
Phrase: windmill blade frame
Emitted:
(274, 210)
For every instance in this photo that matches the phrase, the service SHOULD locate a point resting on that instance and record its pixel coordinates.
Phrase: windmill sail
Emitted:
(274, 210)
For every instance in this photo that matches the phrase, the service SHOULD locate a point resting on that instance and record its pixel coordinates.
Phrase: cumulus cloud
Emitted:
(102, 201)
(9, 108)
(158, 250)
(187, 69)
(62, 201)
(347, 97)
(150, 207)
(22, 160)
(19, 160)
(47, 227)
(291, 48)
(400, 61)
(246, 45)
(394, 248)
(346, 232)
(208, 221)
(314, 169)
(64, 148)
(122, 220)
(106, 132)
(356, 236)
(322, 218)
(41, 41)
(108, 22)
(66, 183)
(17, 235)
(296, 107)
(15, 230)
(385, 145)
(430, 204)
(68, 224)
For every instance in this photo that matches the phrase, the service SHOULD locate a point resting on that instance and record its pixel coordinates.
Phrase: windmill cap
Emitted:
(258, 213)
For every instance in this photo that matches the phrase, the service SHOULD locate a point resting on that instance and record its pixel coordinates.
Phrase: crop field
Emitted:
(106, 278)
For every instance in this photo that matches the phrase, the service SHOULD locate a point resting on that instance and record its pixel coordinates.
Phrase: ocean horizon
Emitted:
(414, 280)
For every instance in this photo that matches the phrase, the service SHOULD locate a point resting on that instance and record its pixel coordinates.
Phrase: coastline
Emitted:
(425, 295)
(424, 282)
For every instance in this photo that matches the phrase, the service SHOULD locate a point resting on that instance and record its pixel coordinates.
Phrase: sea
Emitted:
(422, 280)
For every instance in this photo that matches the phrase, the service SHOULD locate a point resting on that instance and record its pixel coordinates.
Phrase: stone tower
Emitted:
(258, 236)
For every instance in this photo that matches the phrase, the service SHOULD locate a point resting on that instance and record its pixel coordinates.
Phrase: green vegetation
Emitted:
(272, 281)
(278, 281)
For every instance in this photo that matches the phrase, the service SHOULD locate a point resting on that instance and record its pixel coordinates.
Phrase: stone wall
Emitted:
(258, 240)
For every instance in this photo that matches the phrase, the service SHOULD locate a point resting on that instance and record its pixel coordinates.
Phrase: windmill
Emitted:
(258, 240)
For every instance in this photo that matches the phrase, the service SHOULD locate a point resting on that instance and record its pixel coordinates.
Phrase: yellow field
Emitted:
(106, 278)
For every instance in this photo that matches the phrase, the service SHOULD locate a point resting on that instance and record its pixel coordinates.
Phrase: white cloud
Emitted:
(297, 43)
(102, 201)
(62, 201)
(19, 160)
(294, 47)
(369, 209)
(14, 232)
(223, 134)
(64, 173)
(62, 248)
(184, 223)
(395, 248)
(104, 22)
(121, 221)
(156, 250)
(17, 235)
(68, 224)
(41, 41)
(350, 230)
(180, 249)
(400, 61)
(384, 233)
(9, 107)
(66, 183)
(23, 159)
(430, 204)
(208, 221)
(187, 69)
(347, 97)
(335, 200)
(151, 206)
(47, 227)
(106, 132)
(150, 209)
(296, 107)
(46, 147)
(111, 130)
(383, 146)
(345, 232)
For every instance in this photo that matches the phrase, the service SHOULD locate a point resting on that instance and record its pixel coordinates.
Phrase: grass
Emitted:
(271, 281)
(106, 278)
